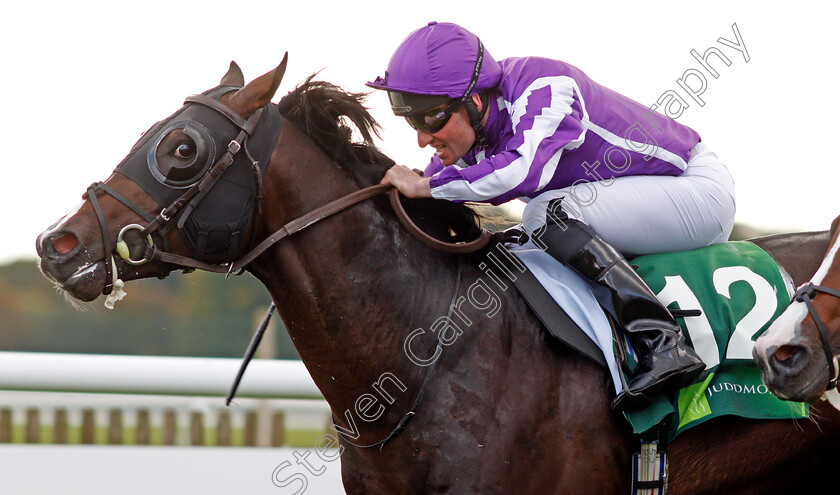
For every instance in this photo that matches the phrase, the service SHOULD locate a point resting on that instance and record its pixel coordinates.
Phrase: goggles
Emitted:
(433, 120)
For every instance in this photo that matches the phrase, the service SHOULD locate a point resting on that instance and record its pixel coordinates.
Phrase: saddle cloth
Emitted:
(572, 293)
(739, 289)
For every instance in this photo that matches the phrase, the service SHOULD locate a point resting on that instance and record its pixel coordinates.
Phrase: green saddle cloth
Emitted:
(740, 291)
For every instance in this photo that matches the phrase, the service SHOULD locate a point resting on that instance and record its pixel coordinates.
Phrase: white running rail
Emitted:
(264, 378)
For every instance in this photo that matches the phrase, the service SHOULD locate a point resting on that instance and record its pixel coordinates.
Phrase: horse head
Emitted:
(798, 353)
(188, 187)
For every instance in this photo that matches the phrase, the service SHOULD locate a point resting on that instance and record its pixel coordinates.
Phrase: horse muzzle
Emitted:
(793, 371)
(64, 260)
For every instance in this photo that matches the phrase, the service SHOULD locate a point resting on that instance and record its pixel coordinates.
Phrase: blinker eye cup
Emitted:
(434, 120)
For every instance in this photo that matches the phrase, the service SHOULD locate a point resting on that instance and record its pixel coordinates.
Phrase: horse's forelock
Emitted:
(323, 110)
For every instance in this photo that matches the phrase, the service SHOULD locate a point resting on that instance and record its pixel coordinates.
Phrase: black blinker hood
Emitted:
(214, 228)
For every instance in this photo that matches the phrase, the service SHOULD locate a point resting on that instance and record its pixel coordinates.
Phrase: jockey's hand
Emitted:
(407, 182)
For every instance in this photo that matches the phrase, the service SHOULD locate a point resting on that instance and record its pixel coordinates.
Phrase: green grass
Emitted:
(303, 438)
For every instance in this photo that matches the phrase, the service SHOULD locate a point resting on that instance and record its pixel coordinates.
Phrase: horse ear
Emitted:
(258, 92)
(234, 76)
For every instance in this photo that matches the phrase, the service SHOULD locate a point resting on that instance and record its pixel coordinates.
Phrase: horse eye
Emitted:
(185, 151)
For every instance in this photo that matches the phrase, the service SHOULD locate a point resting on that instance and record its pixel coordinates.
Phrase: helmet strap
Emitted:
(472, 111)
(476, 117)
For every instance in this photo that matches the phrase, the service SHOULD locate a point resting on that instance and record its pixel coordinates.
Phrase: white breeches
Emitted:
(646, 214)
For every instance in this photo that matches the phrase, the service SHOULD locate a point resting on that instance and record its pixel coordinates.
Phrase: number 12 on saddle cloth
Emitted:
(740, 291)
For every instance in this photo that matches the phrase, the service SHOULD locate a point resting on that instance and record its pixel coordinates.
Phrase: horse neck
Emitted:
(351, 287)
(828, 275)
(829, 270)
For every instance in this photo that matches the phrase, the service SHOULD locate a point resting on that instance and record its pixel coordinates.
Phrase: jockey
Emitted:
(601, 174)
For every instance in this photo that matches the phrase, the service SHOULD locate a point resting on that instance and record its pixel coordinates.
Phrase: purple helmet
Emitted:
(443, 60)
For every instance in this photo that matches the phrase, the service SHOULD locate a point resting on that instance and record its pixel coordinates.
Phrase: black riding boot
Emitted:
(664, 359)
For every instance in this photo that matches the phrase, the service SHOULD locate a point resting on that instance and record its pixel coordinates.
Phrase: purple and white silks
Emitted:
(550, 126)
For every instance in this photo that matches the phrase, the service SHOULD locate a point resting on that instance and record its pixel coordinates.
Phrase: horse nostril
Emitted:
(785, 352)
(65, 243)
(789, 359)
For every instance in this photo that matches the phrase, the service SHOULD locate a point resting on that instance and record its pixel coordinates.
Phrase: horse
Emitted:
(798, 353)
(438, 381)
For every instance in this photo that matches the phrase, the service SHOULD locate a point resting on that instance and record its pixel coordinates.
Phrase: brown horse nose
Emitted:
(57, 244)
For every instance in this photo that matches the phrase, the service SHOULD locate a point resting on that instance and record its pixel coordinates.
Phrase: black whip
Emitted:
(249, 353)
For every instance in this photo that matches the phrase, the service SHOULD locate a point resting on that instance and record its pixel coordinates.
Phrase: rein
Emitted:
(322, 213)
(805, 294)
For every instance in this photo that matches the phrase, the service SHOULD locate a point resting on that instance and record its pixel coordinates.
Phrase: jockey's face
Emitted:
(453, 140)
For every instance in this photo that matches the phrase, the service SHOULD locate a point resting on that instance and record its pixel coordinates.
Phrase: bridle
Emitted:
(167, 219)
(806, 294)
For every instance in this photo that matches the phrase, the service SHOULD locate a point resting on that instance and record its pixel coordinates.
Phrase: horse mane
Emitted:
(327, 114)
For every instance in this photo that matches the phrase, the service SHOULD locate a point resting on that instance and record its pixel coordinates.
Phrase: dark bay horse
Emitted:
(796, 359)
(503, 408)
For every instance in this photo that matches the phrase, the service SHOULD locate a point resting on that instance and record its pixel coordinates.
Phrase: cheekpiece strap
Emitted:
(246, 125)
